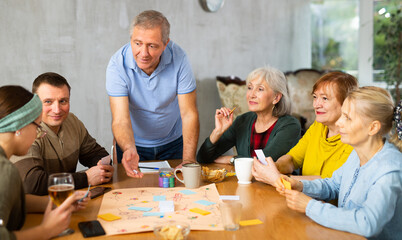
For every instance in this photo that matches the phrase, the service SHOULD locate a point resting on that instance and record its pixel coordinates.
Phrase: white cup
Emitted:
(243, 170)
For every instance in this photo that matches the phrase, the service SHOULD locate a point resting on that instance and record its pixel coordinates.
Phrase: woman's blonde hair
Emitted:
(278, 83)
(376, 103)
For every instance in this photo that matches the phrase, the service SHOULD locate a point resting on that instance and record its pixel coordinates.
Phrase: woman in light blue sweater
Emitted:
(369, 185)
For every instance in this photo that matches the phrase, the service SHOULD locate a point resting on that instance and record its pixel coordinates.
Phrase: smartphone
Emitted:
(97, 191)
(91, 228)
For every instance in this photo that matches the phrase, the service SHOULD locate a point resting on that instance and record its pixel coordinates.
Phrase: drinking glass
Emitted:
(231, 213)
(60, 187)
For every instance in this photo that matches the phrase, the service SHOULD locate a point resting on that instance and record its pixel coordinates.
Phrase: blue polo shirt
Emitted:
(153, 103)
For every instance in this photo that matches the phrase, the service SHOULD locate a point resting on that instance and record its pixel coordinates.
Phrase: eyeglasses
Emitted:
(40, 132)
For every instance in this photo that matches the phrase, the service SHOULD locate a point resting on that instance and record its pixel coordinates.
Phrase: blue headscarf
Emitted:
(22, 116)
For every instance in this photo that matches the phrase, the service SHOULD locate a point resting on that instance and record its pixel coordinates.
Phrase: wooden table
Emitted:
(258, 199)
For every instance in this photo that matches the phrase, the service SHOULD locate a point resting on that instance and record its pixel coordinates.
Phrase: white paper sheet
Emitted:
(166, 206)
(229, 197)
(159, 164)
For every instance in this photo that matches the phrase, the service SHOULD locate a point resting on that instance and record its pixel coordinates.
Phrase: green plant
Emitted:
(331, 58)
(389, 41)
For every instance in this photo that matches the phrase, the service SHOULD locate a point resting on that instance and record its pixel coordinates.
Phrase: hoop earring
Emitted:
(17, 133)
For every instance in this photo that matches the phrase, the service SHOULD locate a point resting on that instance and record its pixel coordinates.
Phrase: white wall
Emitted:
(77, 38)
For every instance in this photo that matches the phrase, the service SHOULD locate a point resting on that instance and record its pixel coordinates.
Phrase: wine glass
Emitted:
(60, 187)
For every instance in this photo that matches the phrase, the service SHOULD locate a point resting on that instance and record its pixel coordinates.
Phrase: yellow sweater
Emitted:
(317, 154)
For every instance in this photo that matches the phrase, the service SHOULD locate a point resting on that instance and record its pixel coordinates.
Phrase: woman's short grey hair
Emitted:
(278, 83)
(151, 19)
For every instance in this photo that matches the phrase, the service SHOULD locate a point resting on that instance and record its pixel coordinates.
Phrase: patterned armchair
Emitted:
(232, 92)
(301, 84)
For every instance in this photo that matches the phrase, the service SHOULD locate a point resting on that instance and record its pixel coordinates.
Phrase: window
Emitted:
(387, 43)
(335, 31)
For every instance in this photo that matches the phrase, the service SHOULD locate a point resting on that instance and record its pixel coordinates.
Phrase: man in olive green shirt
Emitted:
(67, 141)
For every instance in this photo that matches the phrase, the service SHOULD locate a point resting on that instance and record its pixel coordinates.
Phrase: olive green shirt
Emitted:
(56, 153)
(12, 199)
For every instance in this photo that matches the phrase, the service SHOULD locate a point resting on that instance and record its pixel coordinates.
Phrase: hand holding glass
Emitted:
(60, 187)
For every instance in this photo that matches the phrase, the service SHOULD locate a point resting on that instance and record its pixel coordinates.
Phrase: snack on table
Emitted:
(213, 175)
(171, 233)
(172, 230)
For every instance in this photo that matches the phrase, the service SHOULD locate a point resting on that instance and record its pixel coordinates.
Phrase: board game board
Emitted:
(137, 209)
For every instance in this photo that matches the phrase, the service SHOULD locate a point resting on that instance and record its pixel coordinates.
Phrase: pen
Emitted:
(232, 110)
(149, 168)
(86, 194)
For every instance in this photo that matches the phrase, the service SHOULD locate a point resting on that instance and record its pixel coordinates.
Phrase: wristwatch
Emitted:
(232, 160)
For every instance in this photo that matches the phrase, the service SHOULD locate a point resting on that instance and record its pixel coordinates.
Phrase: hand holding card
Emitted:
(286, 184)
(261, 156)
(269, 173)
(86, 194)
(106, 160)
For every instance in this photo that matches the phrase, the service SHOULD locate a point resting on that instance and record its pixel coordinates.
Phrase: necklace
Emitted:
(264, 127)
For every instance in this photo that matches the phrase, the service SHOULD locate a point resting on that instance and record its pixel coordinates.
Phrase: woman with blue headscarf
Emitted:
(20, 117)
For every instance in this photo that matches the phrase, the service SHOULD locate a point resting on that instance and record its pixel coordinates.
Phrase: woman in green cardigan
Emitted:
(267, 126)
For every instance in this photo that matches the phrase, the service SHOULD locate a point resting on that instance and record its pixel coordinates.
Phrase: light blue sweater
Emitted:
(369, 197)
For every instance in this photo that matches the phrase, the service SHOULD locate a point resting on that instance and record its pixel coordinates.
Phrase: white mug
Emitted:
(243, 170)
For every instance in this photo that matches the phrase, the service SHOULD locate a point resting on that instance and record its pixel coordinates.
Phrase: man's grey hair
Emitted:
(150, 19)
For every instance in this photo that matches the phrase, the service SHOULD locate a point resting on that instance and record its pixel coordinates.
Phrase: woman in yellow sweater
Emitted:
(320, 151)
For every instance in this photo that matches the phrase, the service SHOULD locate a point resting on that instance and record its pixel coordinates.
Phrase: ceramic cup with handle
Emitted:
(191, 175)
(243, 170)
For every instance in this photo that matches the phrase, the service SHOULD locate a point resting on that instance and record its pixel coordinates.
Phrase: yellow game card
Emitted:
(109, 217)
(286, 184)
(200, 211)
(250, 222)
(229, 174)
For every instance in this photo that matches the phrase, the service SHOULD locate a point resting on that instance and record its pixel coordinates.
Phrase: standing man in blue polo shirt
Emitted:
(152, 92)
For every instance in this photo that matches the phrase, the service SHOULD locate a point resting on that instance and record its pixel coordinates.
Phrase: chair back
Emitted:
(301, 84)
(232, 93)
